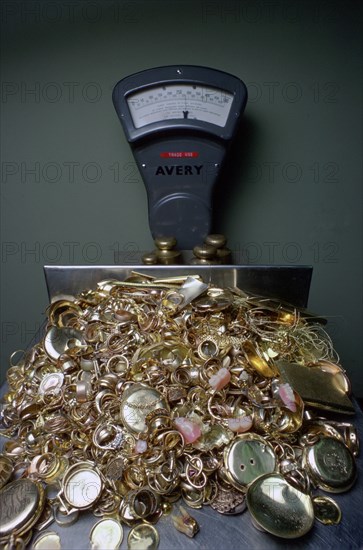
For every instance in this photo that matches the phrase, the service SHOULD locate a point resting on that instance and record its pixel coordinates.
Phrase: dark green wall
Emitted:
(70, 193)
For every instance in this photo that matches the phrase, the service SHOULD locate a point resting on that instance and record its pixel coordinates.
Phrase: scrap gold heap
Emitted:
(148, 391)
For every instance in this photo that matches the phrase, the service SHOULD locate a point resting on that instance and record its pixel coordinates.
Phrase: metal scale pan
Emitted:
(287, 283)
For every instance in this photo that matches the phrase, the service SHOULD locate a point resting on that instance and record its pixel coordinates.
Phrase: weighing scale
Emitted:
(179, 121)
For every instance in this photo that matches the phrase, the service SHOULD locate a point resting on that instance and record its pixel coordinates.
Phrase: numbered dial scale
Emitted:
(179, 121)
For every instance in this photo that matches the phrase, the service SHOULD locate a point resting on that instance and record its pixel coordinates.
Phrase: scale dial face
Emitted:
(179, 121)
(180, 101)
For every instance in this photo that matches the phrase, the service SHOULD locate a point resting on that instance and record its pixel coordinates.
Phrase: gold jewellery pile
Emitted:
(136, 398)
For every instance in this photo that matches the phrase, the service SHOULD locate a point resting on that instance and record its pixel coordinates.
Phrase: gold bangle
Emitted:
(20, 360)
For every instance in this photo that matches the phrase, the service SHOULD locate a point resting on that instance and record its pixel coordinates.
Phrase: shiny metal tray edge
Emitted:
(289, 283)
